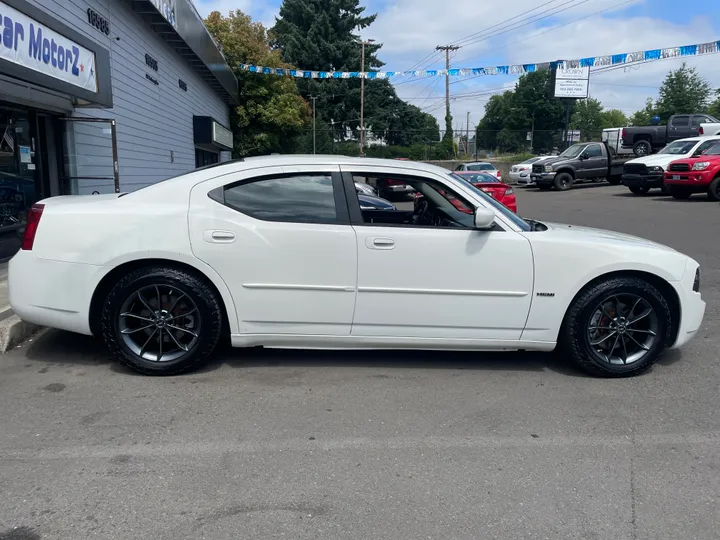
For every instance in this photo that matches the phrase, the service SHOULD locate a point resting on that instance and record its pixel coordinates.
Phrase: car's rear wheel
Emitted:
(563, 181)
(678, 192)
(642, 148)
(639, 190)
(162, 320)
(617, 327)
(714, 190)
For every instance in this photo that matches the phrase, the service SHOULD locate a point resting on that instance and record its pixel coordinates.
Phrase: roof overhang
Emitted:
(179, 24)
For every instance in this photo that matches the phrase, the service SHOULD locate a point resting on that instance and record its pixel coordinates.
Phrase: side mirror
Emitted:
(484, 218)
(582, 157)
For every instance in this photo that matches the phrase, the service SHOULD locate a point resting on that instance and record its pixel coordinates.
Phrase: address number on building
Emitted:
(98, 21)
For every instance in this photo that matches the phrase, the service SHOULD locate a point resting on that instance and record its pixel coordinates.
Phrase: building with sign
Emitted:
(102, 96)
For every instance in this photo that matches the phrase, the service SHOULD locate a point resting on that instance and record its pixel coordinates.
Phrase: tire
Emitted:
(714, 190)
(639, 190)
(576, 337)
(563, 181)
(642, 148)
(614, 180)
(680, 192)
(664, 189)
(544, 187)
(188, 343)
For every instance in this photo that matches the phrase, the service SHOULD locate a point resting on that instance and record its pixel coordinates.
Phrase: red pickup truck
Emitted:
(695, 175)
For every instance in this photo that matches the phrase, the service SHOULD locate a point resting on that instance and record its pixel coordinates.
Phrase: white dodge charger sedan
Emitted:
(276, 251)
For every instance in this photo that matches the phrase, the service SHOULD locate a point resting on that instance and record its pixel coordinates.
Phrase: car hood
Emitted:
(554, 160)
(661, 160)
(600, 236)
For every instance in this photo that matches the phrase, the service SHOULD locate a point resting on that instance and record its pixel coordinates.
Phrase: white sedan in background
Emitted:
(479, 166)
(520, 173)
(277, 251)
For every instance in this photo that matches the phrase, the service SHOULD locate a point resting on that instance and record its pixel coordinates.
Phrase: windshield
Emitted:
(480, 167)
(504, 210)
(574, 151)
(678, 148)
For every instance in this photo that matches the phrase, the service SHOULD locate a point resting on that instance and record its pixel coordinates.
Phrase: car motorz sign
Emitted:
(27, 43)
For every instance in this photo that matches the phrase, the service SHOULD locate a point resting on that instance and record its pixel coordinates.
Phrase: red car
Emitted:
(697, 174)
(491, 185)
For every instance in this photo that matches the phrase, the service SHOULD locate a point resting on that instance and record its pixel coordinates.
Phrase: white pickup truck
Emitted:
(709, 128)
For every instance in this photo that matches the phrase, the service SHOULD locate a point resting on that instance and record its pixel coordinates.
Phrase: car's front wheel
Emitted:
(162, 320)
(617, 327)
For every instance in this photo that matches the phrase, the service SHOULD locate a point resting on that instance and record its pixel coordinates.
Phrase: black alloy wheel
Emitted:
(162, 320)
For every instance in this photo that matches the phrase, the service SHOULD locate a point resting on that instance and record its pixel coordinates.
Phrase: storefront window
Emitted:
(204, 158)
(17, 177)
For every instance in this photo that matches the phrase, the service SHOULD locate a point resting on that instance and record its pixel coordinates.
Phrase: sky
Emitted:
(500, 32)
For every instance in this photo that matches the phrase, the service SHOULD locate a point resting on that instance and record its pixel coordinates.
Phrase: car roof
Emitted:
(479, 163)
(698, 139)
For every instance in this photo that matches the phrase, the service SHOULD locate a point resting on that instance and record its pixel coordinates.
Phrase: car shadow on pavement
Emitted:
(55, 347)
(64, 348)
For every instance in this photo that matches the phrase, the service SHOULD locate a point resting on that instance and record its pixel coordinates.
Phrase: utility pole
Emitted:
(314, 98)
(362, 94)
(447, 49)
(467, 134)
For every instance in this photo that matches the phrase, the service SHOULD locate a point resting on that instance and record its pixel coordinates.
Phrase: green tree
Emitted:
(644, 116)
(323, 35)
(613, 118)
(683, 91)
(271, 113)
(588, 118)
(714, 108)
(510, 115)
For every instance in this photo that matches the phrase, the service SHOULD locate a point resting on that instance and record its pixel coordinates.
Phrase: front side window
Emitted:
(681, 121)
(593, 150)
(702, 147)
(301, 198)
(714, 150)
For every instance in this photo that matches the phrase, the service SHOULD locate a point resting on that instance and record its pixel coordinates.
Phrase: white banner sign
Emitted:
(572, 82)
(27, 43)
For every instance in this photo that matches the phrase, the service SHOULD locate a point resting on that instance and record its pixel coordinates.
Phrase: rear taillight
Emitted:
(33, 220)
(701, 131)
(499, 174)
(622, 134)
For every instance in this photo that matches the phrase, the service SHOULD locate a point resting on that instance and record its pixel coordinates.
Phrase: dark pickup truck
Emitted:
(646, 140)
(581, 162)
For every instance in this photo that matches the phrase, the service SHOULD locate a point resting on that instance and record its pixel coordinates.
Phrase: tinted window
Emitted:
(593, 150)
(714, 150)
(697, 120)
(681, 121)
(704, 146)
(480, 167)
(302, 198)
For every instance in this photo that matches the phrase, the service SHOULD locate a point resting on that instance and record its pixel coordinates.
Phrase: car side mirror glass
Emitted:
(582, 156)
(484, 218)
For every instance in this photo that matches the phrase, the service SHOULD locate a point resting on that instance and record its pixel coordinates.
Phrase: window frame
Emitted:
(341, 207)
(593, 145)
(356, 217)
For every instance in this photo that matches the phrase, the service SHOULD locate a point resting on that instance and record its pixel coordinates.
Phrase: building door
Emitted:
(19, 184)
(90, 157)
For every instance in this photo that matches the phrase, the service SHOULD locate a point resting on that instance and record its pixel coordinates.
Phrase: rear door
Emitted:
(280, 238)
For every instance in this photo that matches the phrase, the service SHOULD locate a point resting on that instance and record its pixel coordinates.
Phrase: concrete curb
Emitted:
(14, 331)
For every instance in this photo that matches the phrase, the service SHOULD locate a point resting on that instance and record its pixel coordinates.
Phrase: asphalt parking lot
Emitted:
(332, 445)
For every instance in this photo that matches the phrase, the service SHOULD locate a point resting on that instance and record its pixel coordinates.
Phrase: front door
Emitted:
(595, 163)
(280, 239)
(424, 272)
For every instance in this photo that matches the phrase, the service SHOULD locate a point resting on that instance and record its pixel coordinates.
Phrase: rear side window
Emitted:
(481, 167)
(704, 146)
(681, 121)
(302, 198)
